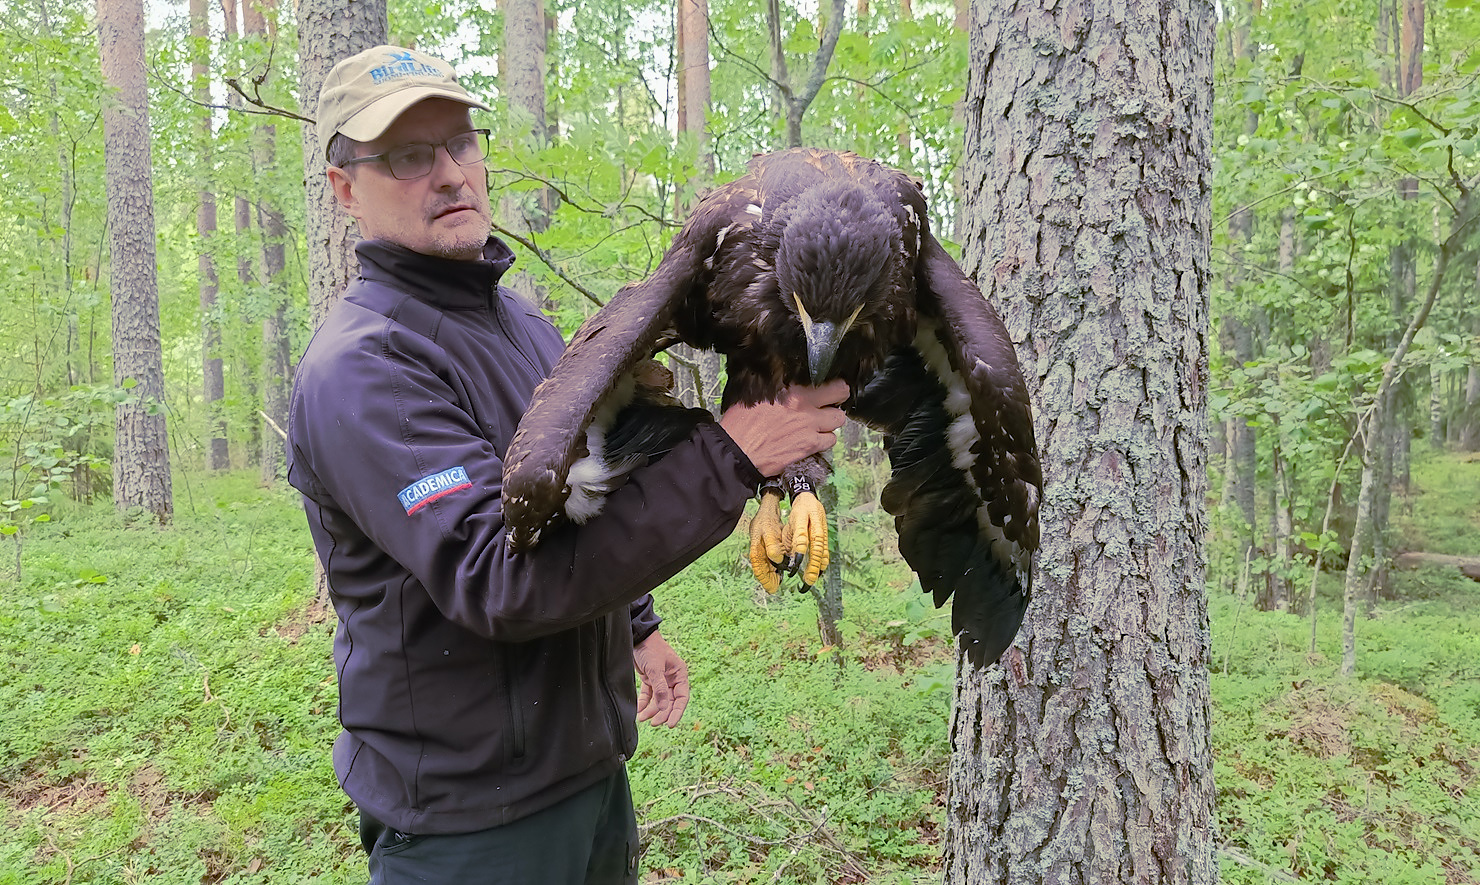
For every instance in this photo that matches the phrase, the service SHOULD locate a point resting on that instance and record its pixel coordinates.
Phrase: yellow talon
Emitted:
(767, 544)
(806, 532)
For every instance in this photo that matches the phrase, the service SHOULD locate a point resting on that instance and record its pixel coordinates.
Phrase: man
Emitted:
(487, 699)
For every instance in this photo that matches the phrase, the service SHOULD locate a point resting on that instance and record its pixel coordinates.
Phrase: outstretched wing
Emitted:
(589, 378)
(965, 480)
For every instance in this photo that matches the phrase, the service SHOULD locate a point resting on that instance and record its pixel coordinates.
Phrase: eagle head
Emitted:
(836, 264)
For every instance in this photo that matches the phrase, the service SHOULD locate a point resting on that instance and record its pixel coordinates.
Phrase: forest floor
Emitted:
(167, 704)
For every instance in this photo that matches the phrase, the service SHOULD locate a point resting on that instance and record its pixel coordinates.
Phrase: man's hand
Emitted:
(803, 421)
(665, 681)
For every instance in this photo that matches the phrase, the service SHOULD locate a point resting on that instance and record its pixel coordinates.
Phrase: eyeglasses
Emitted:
(415, 160)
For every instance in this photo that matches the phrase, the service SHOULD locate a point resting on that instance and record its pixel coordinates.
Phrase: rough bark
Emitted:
(218, 455)
(329, 30)
(1086, 757)
(141, 459)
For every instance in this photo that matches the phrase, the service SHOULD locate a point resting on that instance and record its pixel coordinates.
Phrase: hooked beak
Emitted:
(823, 339)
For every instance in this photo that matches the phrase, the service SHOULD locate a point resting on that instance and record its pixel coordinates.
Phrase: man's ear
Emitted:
(344, 189)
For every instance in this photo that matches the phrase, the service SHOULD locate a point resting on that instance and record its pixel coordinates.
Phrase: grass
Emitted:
(167, 709)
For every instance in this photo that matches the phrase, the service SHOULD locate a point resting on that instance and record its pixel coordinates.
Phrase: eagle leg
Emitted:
(767, 541)
(806, 535)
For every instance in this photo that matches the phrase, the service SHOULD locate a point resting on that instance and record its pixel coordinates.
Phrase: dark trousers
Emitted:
(587, 839)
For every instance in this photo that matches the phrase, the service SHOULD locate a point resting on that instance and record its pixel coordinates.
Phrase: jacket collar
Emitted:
(442, 282)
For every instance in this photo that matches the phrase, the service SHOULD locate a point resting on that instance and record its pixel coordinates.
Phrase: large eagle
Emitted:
(812, 266)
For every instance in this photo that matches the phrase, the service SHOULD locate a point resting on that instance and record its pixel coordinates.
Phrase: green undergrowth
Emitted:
(167, 711)
(167, 702)
(1369, 779)
(1441, 514)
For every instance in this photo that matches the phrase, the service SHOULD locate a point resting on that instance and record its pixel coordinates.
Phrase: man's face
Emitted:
(444, 213)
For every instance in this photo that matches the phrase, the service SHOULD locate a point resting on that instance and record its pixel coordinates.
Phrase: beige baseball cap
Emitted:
(364, 94)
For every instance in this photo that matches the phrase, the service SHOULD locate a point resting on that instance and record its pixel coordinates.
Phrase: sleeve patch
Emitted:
(425, 491)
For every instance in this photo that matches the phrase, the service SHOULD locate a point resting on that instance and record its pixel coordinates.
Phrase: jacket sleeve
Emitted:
(645, 619)
(381, 419)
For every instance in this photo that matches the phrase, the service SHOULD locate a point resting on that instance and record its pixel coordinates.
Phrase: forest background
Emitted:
(1345, 148)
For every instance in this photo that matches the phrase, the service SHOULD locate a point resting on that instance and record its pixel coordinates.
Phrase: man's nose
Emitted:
(445, 170)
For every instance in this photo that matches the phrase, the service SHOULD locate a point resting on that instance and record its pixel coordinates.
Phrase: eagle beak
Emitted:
(823, 340)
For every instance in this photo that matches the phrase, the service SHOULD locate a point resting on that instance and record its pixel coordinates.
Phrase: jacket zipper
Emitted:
(614, 717)
(496, 308)
(516, 709)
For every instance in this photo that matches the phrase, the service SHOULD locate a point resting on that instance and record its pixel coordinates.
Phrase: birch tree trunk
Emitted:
(141, 455)
(328, 31)
(1085, 757)
(218, 452)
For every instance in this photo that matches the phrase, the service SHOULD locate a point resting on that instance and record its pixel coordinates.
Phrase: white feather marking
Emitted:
(962, 436)
(590, 478)
(753, 209)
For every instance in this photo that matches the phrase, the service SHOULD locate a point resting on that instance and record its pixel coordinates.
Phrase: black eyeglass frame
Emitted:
(385, 157)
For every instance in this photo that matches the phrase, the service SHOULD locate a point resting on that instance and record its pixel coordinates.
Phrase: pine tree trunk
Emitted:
(1085, 758)
(694, 26)
(218, 452)
(329, 30)
(141, 456)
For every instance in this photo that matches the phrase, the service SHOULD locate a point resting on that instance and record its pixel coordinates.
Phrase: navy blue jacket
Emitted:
(476, 686)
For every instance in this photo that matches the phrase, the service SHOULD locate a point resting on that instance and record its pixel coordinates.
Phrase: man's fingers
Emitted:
(680, 703)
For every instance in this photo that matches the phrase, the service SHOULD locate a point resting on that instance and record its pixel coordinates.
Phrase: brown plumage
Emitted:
(815, 265)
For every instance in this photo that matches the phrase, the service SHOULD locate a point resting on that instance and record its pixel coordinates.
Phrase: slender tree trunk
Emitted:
(218, 452)
(1469, 435)
(1086, 757)
(141, 458)
(1390, 430)
(1358, 562)
(1436, 408)
(523, 86)
(793, 100)
(276, 357)
(329, 30)
(700, 387)
(694, 23)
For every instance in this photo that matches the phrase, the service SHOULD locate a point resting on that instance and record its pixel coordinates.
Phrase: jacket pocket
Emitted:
(516, 707)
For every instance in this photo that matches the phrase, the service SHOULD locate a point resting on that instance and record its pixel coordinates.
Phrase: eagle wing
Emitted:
(640, 319)
(965, 481)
